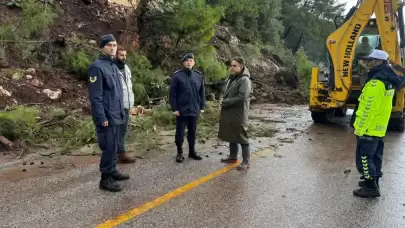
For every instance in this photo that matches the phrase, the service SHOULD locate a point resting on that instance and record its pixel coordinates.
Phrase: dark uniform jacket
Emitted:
(105, 92)
(187, 92)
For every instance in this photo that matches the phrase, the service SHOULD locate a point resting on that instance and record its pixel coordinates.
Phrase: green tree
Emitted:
(254, 20)
(189, 24)
(308, 23)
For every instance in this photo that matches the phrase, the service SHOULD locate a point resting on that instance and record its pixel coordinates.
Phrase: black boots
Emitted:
(369, 189)
(362, 183)
(117, 176)
(191, 154)
(109, 183)
(179, 157)
(194, 156)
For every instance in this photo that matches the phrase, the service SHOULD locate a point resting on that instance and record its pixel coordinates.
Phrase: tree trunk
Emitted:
(6, 142)
(298, 43)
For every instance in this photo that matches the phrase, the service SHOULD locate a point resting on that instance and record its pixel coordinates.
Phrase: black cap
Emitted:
(106, 39)
(187, 56)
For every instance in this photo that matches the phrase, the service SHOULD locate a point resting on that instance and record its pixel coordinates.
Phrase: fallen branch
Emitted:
(25, 41)
(21, 153)
(56, 123)
(53, 120)
(49, 154)
(31, 104)
(6, 142)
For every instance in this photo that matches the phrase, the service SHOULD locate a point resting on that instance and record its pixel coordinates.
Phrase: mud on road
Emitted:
(270, 126)
(305, 178)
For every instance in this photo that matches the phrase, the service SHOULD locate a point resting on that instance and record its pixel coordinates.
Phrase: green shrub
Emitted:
(163, 115)
(212, 69)
(20, 123)
(284, 53)
(79, 132)
(77, 57)
(251, 51)
(147, 82)
(304, 68)
(78, 61)
(35, 19)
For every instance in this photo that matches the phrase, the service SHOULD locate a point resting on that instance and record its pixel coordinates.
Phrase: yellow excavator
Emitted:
(337, 88)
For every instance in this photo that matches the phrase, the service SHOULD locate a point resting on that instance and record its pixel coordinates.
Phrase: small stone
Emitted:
(24, 170)
(220, 153)
(4, 92)
(42, 163)
(53, 95)
(80, 25)
(310, 139)
(207, 156)
(278, 156)
(24, 163)
(31, 71)
(29, 77)
(32, 163)
(37, 83)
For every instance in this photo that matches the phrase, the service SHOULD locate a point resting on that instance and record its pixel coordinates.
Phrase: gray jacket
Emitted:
(233, 120)
(128, 94)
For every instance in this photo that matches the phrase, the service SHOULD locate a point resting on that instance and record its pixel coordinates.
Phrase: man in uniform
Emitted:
(105, 94)
(187, 99)
(371, 120)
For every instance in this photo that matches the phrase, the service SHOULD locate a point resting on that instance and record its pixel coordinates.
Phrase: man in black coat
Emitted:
(187, 99)
(107, 109)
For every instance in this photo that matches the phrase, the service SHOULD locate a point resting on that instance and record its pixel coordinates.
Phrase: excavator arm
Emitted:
(342, 43)
(338, 92)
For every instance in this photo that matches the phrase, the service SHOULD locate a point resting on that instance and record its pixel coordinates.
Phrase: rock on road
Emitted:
(307, 183)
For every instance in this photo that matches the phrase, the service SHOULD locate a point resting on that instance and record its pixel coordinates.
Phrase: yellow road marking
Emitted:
(170, 195)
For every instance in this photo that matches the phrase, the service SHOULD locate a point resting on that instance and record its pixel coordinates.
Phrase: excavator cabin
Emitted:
(337, 88)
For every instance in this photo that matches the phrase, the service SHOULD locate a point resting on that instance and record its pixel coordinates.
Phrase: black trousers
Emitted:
(369, 156)
(181, 123)
(108, 141)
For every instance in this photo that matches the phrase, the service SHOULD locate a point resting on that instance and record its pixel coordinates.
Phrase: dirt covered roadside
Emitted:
(270, 126)
(56, 103)
(22, 87)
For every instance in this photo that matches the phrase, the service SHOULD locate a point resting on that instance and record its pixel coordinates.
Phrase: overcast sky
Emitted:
(349, 4)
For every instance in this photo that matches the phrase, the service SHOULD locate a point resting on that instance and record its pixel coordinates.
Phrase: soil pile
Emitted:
(45, 85)
(271, 82)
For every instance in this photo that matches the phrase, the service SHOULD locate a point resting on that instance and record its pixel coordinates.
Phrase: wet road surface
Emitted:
(307, 183)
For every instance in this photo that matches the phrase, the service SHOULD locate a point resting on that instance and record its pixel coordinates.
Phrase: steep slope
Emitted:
(47, 76)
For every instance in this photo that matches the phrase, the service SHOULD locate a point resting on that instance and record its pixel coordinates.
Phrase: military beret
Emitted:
(187, 56)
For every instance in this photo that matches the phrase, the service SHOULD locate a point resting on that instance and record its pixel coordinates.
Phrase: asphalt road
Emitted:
(308, 183)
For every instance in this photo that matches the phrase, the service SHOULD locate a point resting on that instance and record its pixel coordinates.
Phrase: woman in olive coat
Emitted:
(233, 122)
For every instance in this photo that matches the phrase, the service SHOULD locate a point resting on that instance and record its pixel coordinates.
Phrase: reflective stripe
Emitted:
(365, 168)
